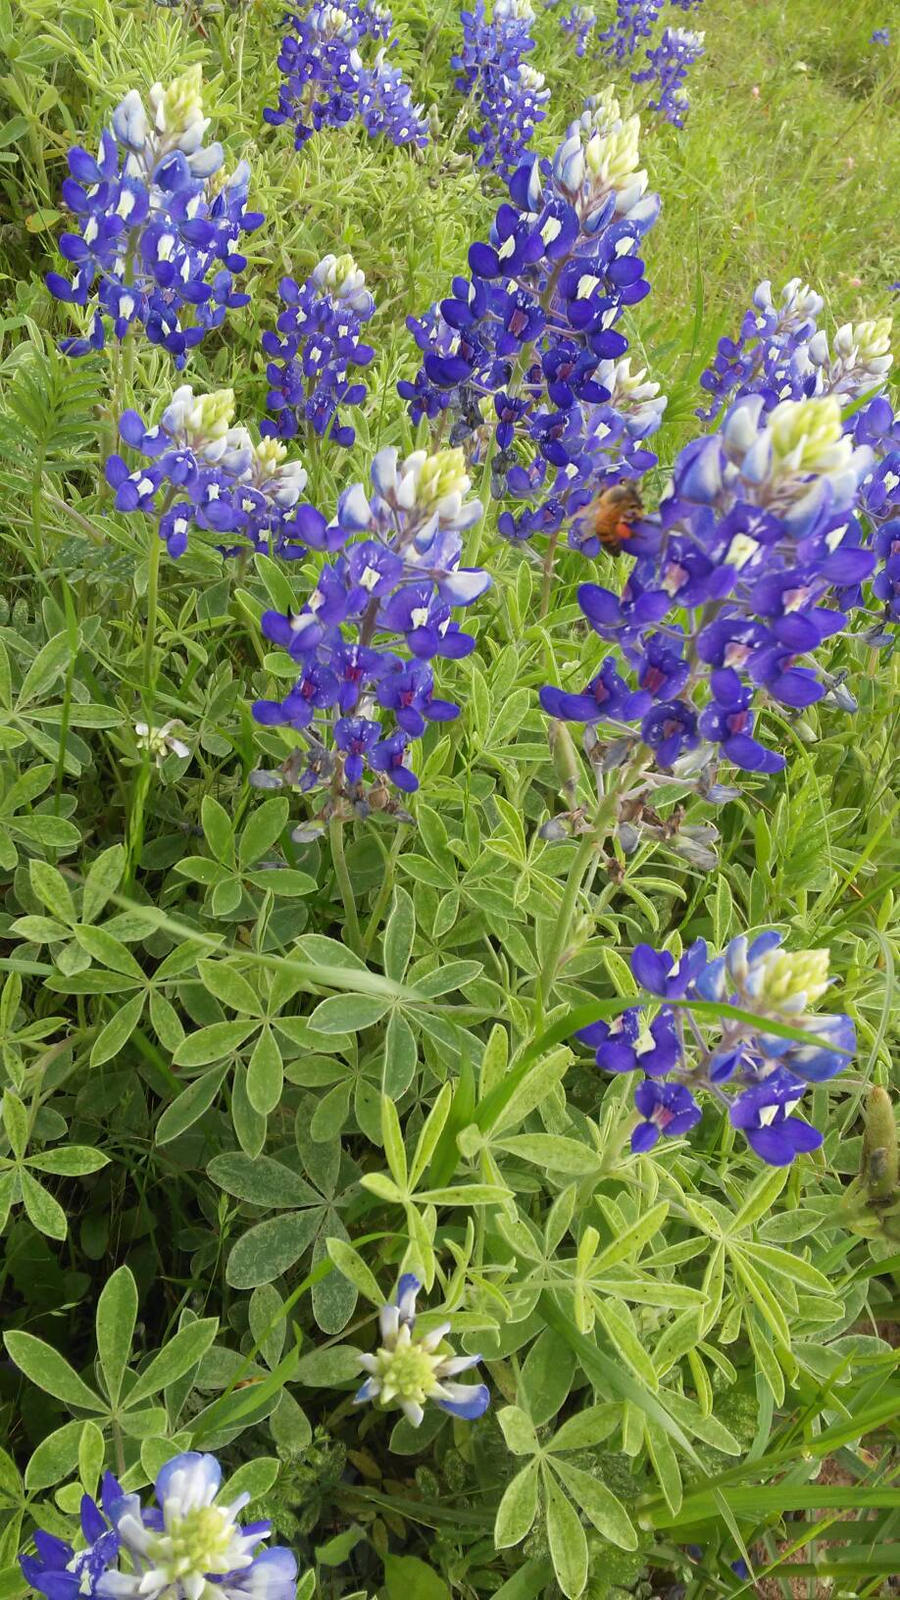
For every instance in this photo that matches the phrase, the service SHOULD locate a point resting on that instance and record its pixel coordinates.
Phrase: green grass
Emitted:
(722, 1448)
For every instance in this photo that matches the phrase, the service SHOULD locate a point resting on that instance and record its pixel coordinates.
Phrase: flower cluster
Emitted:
(203, 471)
(580, 22)
(510, 95)
(325, 82)
(880, 36)
(317, 339)
(677, 50)
(357, 702)
(781, 353)
(634, 20)
(758, 1075)
(188, 1546)
(750, 546)
(526, 352)
(408, 1371)
(158, 225)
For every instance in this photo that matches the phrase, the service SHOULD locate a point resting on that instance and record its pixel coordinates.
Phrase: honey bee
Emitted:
(609, 516)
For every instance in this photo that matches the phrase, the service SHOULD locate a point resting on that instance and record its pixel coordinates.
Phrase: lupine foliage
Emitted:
(447, 822)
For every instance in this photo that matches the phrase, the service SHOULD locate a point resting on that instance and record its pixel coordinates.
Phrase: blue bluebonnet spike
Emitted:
(759, 1075)
(316, 342)
(158, 230)
(527, 352)
(326, 83)
(379, 615)
(634, 20)
(408, 1371)
(668, 65)
(756, 543)
(202, 471)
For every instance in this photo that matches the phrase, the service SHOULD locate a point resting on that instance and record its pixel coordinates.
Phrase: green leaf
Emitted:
(43, 1211)
(218, 830)
(351, 1264)
(566, 1538)
(518, 1507)
(599, 1504)
(553, 1153)
(190, 1104)
(110, 952)
(348, 1013)
(431, 1133)
(46, 1368)
(212, 1043)
(184, 1350)
(91, 1451)
(518, 1431)
(408, 1578)
(48, 665)
(255, 1478)
(223, 980)
(55, 1457)
(116, 1316)
(401, 1054)
(392, 1138)
(15, 1121)
(269, 1249)
(265, 1074)
(266, 825)
(586, 1428)
(399, 934)
(52, 890)
(325, 1368)
(546, 1377)
(103, 880)
(118, 1030)
(70, 1161)
(261, 1181)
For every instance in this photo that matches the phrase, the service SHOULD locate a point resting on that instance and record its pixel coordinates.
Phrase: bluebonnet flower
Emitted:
(190, 1545)
(880, 36)
(59, 1571)
(677, 50)
(202, 471)
(408, 1371)
(158, 225)
(510, 95)
(634, 20)
(782, 354)
(317, 340)
(758, 1076)
(753, 542)
(325, 82)
(526, 351)
(386, 105)
(580, 22)
(357, 702)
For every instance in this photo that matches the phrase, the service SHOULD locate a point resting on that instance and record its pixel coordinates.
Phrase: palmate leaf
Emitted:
(48, 418)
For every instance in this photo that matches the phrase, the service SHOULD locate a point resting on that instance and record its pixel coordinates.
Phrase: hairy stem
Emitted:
(336, 839)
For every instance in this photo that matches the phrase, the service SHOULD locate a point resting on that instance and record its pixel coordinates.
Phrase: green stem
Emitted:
(336, 838)
(37, 538)
(383, 896)
(549, 557)
(561, 932)
(150, 634)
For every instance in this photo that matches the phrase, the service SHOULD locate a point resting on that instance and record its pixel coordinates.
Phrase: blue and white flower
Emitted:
(407, 1371)
(191, 1546)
